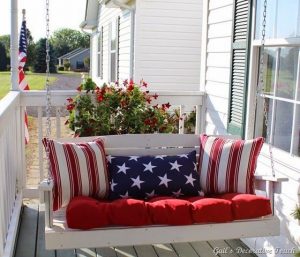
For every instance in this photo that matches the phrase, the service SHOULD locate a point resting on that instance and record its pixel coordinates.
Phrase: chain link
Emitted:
(261, 91)
(48, 93)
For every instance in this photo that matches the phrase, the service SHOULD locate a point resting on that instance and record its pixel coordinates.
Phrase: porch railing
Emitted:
(11, 169)
(35, 102)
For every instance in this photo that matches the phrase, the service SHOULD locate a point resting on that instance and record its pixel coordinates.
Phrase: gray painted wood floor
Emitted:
(30, 243)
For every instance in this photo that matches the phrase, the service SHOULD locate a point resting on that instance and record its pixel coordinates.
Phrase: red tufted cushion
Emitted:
(129, 212)
(169, 211)
(211, 210)
(87, 213)
(248, 206)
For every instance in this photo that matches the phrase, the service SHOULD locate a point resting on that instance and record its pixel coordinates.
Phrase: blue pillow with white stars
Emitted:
(143, 177)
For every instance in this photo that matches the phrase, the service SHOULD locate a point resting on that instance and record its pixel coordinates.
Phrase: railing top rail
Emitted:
(10, 100)
(58, 97)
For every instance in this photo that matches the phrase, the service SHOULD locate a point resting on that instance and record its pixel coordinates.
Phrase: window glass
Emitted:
(269, 70)
(287, 72)
(280, 80)
(283, 18)
(113, 42)
(113, 67)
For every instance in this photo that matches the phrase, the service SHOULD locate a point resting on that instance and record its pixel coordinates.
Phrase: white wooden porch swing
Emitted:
(59, 236)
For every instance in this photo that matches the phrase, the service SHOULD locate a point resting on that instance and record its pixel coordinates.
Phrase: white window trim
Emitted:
(281, 157)
(100, 52)
(117, 49)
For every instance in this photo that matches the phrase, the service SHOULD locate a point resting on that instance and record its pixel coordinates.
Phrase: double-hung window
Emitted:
(114, 50)
(281, 74)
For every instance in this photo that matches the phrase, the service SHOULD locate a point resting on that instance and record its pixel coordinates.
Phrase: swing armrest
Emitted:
(270, 185)
(270, 178)
(46, 191)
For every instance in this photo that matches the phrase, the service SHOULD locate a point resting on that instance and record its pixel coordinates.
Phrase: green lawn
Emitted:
(36, 81)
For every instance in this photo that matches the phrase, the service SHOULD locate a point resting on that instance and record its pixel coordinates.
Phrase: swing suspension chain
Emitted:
(261, 91)
(48, 94)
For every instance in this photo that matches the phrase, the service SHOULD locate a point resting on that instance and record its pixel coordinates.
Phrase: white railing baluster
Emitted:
(40, 137)
(181, 119)
(198, 120)
(58, 123)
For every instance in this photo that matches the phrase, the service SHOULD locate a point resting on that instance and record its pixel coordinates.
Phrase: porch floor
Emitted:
(31, 243)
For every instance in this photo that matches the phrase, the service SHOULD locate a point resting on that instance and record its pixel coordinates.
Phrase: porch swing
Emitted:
(59, 236)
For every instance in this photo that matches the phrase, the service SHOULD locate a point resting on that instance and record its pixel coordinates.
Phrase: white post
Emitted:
(14, 49)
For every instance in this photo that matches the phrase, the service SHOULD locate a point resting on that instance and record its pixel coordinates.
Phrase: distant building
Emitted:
(76, 58)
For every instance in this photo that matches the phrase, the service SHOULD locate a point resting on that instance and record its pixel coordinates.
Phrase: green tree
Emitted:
(5, 40)
(3, 58)
(30, 50)
(40, 59)
(66, 40)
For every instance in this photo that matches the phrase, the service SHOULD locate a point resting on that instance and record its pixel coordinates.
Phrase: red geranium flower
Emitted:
(70, 107)
(155, 96)
(70, 100)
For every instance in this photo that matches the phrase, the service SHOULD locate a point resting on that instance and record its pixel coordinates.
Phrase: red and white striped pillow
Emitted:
(77, 169)
(227, 165)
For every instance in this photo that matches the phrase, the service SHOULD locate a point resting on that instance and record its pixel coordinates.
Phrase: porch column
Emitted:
(14, 49)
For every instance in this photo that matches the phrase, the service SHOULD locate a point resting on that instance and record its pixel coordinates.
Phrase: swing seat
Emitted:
(59, 236)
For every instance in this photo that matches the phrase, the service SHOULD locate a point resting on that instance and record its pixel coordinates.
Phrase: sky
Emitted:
(63, 14)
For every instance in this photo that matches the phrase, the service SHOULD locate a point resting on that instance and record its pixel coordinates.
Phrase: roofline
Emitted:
(83, 50)
(73, 51)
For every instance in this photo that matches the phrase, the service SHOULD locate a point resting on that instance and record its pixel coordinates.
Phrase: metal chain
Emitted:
(261, 91)
(48, 93)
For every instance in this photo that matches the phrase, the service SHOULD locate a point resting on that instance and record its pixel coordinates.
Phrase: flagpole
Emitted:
(14, 49)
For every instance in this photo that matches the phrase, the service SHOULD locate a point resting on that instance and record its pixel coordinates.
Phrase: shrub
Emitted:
(67, 65)
(113, 109)
(61, 68)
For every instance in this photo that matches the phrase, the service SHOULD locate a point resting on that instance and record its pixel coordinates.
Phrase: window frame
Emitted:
(116, 51)
(287, 159)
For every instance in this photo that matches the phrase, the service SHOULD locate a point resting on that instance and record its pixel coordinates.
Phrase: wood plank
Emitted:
(145, 251)
(86, 252)
(240, 248)
(165, 250)
(126, 251)
(222, 249)
(27, 236)
(65, 253)
(184, 249)
(40, 244)
(203, 249)
(106, 252)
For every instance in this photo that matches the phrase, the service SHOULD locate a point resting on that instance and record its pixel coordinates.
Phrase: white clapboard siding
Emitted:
(218, 52)
(168, 44)
(105, 17)
(217, 79)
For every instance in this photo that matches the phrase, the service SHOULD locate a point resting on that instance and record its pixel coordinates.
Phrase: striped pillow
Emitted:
(228, 166)
(77, 169)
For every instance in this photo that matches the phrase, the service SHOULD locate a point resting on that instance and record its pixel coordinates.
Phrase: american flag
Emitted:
(23, 85)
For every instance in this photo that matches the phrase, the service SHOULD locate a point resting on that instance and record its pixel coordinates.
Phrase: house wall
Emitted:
(105, 17)
(79, 58)
(168, 43)
(215, 81)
